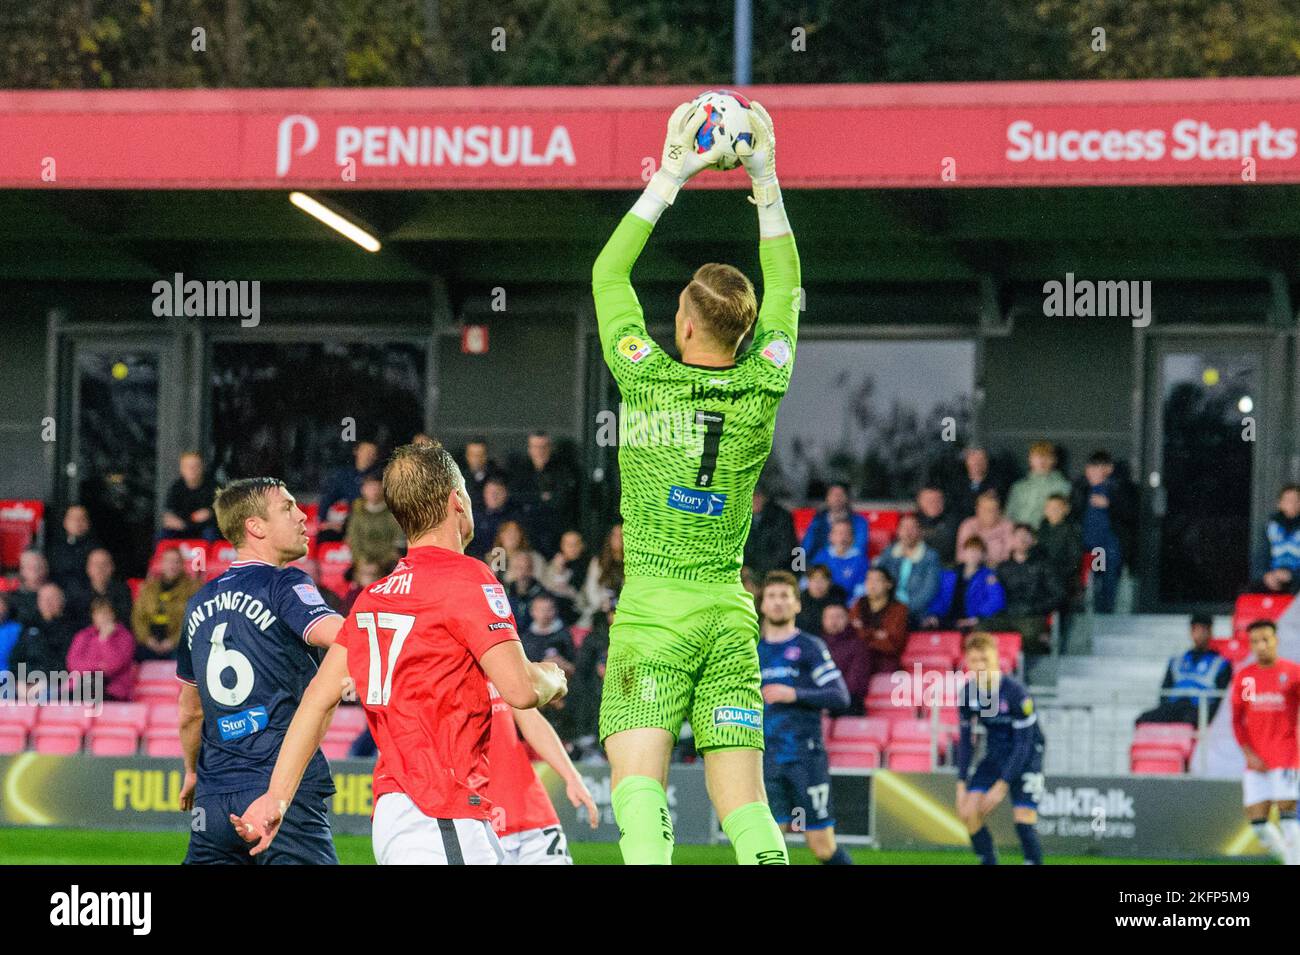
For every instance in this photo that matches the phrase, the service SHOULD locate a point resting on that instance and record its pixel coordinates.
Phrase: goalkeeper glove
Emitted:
(681, 161)
(759, 157)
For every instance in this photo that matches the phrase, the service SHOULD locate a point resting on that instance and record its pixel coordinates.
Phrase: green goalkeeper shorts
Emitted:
(682, 650)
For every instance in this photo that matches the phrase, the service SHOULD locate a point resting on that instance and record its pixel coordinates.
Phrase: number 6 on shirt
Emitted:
(372, 623)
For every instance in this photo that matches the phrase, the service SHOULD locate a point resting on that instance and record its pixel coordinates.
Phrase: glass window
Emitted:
(871, 413)
(282, 409)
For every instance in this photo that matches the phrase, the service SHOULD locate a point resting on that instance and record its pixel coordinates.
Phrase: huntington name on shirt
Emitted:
(238, 601)
(76, 908)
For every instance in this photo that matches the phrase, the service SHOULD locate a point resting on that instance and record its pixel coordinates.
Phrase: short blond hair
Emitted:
(722, 298)
(983, 642)
(418, 480)
(238, 501)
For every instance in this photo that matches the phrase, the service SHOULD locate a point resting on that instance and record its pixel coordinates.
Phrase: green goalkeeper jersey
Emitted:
(692, 440)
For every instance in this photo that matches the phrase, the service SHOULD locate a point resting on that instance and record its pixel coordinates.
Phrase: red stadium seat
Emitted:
(164, 716)
(1251, 607)
(156, 692)
(1179, 736)
(58, 739)
(1233, 649)
(945, 642)
(881, 527)
(157, 671)
(918, 732)
(221, 554)
(1165, 762)
(13, 739)
(9, 584)
(74, 716)
(112, 741)
(20, 523)
(909, 758)
(135, 716)
(855, 756)
(803, 516)
(312, 511)
(335, 558)
(134, 584)
(160, 742)
(336, 748)
(194, 554)
(21, 716)
(350, 718)
(892, 696)
(861, 729)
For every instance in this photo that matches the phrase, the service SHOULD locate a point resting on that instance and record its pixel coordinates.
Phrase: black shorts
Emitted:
(800, 792)
(1024, 791)
(305, 837)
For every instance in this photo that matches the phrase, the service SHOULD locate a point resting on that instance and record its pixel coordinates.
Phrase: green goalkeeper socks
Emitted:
(641, 809)
(755, 836)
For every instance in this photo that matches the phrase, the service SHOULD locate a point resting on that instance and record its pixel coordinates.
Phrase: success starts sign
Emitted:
(1165, 132)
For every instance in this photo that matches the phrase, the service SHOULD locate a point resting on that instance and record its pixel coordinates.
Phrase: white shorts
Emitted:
(546, 846)
(1274, 785)
(403, 835)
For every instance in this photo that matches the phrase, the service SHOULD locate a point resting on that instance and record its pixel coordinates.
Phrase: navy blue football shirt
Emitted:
(245, 649)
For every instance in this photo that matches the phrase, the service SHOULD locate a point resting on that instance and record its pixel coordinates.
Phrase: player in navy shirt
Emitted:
(247, 653)
(1012, 762)
(799, 681)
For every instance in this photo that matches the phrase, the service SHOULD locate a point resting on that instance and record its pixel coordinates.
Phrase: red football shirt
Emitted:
(414, 640)
(1265, 708)
(519, 798)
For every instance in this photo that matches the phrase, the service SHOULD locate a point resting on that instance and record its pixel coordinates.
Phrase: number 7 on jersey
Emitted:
(379, 687)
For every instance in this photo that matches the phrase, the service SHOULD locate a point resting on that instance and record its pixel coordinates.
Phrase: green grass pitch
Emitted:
(93, 847)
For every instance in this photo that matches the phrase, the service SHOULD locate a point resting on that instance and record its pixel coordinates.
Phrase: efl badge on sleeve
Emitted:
(777, 352)
(633, 348)
(496, 599)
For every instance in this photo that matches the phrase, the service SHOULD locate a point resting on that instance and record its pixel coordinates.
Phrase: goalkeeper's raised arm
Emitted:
(782, 293)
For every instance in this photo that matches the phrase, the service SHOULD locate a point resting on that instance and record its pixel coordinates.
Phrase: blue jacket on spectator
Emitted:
(10, 631)
(983, 598)
(818, 534)
(343, 484)
(915, 581)
(848, 570)
(1282, 544)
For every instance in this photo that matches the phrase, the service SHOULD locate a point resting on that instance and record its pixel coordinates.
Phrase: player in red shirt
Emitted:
(1265, 710)
(523, 816)
(420, 646)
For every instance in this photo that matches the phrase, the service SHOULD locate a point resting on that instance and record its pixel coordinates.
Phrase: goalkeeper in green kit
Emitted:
(683, 645)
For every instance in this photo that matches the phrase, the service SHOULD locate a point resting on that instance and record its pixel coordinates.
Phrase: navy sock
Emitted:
(1029, 842)
(840, 857)
(982, 842)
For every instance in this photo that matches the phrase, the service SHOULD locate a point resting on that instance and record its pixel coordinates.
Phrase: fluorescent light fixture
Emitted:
(335, 221)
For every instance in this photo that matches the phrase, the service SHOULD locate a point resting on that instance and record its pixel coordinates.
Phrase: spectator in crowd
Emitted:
(1195, 674)
(1031, 592)
(10, 632)
(1061, 544)
(510, 540)
(497, 509)
(44, 642)
(585, 687)
(848, 650)
(567, 573)
(938, 523)
(360, 575)
(67, 553)
(990, 526)
(311, 567)
(846, 561)
(973, 595)
(914, 566)
(546, 638)
(99, 581)
(882, 621)
(837, 508)
(976, 480)
(33, 574)
(771, 542)
(546, 489)
(107, 647)
(522, 586)
(372, 531)
(187, 509)
(1030, 493)
(605, 573)
(1277, 563)
(343, 486)
(820, 592)
(1108, 509)
(478, 467)
(160, 608)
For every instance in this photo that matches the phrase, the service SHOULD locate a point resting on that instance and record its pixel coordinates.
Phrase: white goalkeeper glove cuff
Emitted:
(772, 220)
(650, 205)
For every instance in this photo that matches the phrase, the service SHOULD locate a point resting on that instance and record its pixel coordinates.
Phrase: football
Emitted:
(727, 123)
